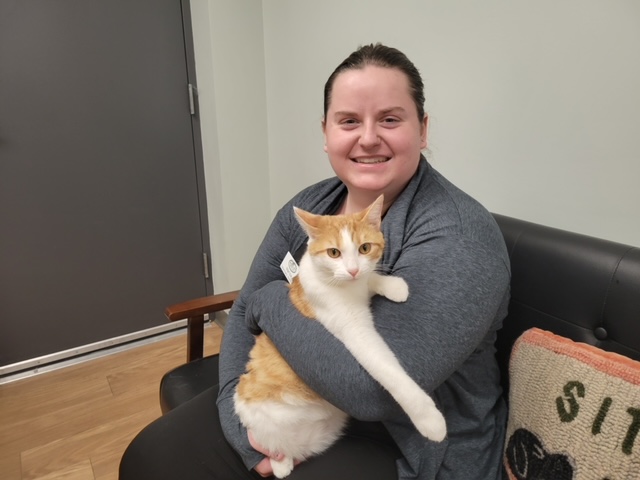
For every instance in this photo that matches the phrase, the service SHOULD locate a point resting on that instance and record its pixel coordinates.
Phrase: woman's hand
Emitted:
(264, 468)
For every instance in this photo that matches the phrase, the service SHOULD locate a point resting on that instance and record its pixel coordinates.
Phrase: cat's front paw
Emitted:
(396, 289)
(282, 468)
(432, 425)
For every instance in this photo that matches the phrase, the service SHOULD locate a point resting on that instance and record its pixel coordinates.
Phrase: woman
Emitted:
(442, 242)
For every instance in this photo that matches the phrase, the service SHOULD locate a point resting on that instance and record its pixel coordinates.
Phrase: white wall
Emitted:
(229, 52)
(534, 106)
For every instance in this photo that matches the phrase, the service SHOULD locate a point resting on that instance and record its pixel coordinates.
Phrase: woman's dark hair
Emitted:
(380, 56)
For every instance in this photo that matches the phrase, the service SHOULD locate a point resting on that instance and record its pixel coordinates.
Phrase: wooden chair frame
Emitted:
(194, 311)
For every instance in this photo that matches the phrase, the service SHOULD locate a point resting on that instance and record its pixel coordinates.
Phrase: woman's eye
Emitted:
(390, 120)
(349, 122)
(365, 248)
(333, 252)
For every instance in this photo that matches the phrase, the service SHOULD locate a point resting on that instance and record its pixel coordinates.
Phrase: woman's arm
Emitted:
(237, 340)
(456, 288)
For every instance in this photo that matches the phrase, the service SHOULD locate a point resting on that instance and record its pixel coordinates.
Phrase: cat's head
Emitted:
(344, 247)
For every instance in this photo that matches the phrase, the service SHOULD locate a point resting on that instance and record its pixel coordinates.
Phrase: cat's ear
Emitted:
(373, 214)
(308, 221)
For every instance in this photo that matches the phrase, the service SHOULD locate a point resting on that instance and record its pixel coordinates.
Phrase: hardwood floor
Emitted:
(75, 423)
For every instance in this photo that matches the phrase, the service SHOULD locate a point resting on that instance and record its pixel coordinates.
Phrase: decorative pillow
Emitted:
(574, 411)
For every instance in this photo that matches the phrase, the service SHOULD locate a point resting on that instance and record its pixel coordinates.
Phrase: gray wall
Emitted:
(533, 105)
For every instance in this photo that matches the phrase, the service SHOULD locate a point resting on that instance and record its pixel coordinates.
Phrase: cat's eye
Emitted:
(365, 248)
(333, 252)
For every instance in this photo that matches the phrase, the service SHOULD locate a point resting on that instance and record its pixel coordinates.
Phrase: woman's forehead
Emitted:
(371, 84)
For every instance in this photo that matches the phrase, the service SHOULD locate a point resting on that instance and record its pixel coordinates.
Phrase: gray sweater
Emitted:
(451, 253)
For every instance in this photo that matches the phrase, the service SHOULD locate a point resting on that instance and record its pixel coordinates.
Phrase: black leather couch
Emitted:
(580, 287)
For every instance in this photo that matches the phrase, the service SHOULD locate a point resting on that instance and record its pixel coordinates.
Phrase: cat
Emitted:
(337, 278)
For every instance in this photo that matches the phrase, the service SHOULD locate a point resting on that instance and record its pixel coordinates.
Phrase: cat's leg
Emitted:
(361, 338)
(417, 403)
(394, 288)
(282, 468)
(422, 411)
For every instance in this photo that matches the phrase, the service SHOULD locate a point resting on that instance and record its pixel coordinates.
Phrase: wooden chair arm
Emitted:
(200, 306)
(194, 311)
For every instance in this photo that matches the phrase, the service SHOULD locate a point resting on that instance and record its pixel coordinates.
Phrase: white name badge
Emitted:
(289, 267)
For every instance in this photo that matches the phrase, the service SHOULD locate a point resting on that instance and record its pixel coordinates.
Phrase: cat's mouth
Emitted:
(370, 160)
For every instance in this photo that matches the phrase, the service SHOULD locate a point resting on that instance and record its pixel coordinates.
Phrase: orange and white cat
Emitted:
(336, 280)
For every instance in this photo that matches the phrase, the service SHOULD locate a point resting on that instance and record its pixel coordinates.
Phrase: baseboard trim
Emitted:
(73, 356)
(66, 358)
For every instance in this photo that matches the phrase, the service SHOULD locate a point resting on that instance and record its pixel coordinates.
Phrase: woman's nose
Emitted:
(369, 137)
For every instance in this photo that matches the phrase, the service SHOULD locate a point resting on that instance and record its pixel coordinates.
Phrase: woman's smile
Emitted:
(370, 160)
(373, 136)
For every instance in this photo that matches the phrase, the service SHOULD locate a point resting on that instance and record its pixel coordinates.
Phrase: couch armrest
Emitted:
(194, 311)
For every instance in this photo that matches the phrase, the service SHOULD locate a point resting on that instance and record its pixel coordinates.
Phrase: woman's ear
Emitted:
(323, 124)
(424, 130)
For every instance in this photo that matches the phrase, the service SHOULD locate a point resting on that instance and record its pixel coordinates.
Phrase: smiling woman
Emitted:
(373, 136)
(374, 126)
(447, 248)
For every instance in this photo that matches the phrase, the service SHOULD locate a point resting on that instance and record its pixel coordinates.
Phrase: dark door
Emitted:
(102, 221)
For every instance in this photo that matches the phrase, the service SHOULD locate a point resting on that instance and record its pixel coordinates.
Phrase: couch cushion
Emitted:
(574, 411)
(578, 286)
(186, 381)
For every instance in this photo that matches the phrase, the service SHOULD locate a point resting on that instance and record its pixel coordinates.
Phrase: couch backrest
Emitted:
(580, 287)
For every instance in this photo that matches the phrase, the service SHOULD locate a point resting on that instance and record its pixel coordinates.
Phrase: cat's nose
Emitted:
(353, 271)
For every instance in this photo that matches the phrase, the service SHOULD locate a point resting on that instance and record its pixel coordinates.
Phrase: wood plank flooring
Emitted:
(75, 423)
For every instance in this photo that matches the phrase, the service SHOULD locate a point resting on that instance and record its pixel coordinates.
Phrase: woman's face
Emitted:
(373, 136)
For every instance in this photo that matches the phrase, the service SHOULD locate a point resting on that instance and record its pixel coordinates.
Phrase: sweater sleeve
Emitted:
(456, 289)
(237, 340)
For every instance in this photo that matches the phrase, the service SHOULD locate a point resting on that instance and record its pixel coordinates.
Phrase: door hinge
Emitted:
(205, 264)
(193, 92)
